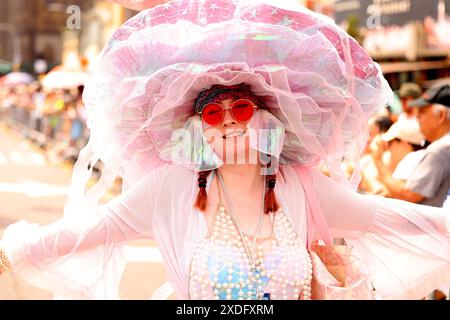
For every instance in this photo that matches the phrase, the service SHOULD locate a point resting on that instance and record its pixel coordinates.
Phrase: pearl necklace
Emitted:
(248, 246)
(221, 264)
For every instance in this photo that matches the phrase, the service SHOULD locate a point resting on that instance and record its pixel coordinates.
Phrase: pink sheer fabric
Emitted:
(318, 83)
(154, 66)
(406, 246)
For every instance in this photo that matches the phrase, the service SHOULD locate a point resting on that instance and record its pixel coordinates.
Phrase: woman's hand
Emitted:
(377, 148)
(4, 262)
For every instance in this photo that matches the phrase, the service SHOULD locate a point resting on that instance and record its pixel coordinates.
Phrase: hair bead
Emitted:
(202, 182)
(270, 201)
(202, 196)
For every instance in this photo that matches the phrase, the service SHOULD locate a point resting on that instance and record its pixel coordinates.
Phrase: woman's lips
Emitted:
(237, 133)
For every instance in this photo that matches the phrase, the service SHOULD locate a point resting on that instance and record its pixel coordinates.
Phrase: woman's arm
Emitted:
(349, 213)
(86, 247)
(127, 217)
(406, 246)
(396, 187)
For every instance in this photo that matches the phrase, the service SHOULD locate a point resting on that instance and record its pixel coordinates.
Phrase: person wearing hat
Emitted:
(432, 177)
(404, 143)
(370, 183)
(408, 92)
(430, 181)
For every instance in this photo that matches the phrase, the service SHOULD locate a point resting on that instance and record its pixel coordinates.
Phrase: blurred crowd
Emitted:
(54, 119)
(408, 154)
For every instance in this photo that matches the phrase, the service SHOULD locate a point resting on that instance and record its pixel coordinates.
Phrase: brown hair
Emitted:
(270, 200)
(202, 197)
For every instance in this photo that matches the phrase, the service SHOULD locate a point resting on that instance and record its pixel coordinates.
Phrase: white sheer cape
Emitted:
(406, 246)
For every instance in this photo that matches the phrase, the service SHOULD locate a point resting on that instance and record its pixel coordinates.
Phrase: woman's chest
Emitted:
(229, 265)
(245, 213)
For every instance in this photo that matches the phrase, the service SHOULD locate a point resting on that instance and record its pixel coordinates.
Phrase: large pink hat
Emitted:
(316, 80)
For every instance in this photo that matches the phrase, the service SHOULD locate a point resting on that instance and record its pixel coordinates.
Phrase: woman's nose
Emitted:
(228, 119)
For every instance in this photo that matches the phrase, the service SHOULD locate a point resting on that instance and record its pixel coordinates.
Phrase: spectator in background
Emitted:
(78, 121)
(55, 111)
(369, 180)
(9, 100)
(37, 113)
(403, 143)
(77, 128)
(430, 181)
(24, 107)
(406, 148)
(383, 123)
(391, 114)
(408, 92)
(376, 126)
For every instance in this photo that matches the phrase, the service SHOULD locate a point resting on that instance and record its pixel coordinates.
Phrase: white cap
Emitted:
(406, 130)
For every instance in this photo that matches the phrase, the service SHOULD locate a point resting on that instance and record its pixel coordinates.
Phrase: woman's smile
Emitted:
(235, 133)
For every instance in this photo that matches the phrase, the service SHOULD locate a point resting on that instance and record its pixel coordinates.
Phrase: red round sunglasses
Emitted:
(241, 110)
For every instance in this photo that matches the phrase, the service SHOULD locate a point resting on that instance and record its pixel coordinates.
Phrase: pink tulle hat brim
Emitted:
(316, 79)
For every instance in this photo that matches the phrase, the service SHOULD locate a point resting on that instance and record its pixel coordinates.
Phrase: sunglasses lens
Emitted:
(242, 110)
(212, 114)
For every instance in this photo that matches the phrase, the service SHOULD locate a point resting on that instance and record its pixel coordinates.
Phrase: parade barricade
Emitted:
(48, 130)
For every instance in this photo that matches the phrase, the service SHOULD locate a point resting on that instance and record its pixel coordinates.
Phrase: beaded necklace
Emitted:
(250, 253)
(221, 267)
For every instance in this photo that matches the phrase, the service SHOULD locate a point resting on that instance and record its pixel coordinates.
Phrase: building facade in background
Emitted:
(99, 23)
(409, 38)
(38, 28)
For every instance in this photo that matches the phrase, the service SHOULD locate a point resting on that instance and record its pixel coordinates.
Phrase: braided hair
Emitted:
(202, 196)
(270, 200)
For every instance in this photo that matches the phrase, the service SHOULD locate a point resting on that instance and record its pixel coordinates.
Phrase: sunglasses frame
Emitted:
(228, 108)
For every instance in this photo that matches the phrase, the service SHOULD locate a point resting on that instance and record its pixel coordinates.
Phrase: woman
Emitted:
(405, 144)
(215, 114)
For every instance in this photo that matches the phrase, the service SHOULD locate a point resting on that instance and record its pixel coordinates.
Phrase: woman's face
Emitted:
(230, 138)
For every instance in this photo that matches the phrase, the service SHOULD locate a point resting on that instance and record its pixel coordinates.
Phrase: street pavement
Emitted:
(33, 186)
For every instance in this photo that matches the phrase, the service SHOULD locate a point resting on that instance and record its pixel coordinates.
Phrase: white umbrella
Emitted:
(16, 78)
(60, 78)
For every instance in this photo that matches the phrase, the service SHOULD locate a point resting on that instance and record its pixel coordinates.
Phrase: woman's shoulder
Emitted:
(177, 172)
(303, 175)
(170, 175)
(294, 171)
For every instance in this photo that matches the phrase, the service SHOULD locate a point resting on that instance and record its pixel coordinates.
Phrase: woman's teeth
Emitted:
(234, 134)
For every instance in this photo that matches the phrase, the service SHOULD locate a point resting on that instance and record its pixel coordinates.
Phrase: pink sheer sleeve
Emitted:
(82, 256)
(406, 245)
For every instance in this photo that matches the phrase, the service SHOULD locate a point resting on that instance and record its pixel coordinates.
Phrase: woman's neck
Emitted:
(246, 177)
